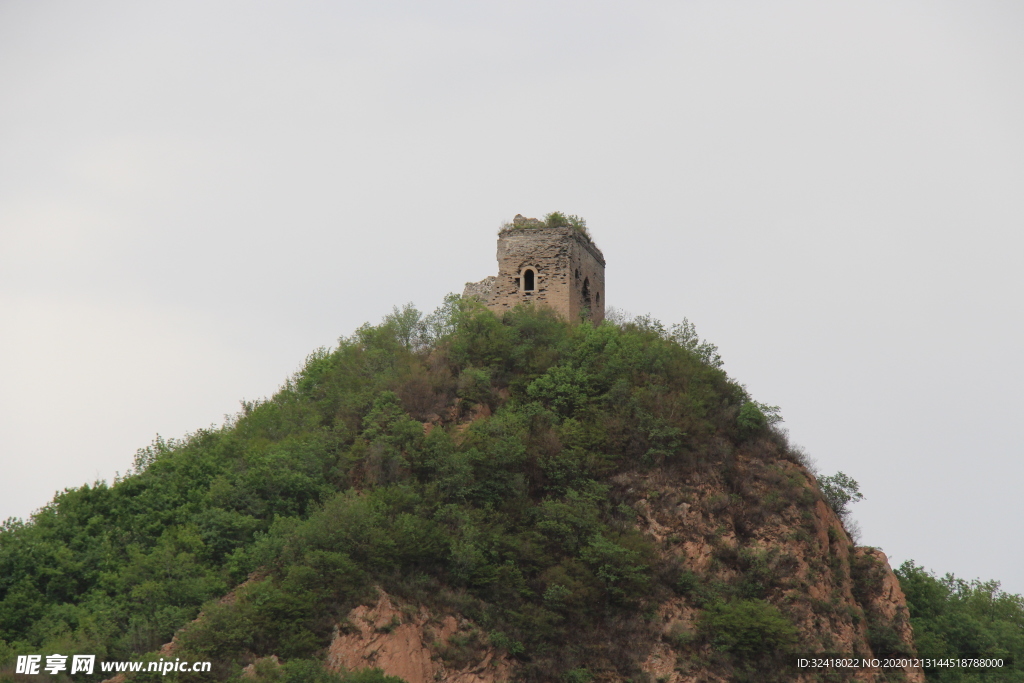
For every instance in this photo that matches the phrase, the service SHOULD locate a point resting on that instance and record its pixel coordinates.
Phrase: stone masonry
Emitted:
(556, 267)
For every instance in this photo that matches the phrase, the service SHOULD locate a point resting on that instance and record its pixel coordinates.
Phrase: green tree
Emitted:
(840, 491)
(954, 618)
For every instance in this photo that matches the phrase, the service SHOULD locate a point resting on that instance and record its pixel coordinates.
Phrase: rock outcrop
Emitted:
(761, 524)
(408, 642)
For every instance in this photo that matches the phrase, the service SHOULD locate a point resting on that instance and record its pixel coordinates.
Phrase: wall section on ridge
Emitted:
(557, 267)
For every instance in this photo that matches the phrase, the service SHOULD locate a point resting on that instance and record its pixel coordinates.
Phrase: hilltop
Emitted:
(463, 497)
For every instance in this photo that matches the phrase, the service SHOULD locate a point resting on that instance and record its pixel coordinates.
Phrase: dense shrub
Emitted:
(748, 629)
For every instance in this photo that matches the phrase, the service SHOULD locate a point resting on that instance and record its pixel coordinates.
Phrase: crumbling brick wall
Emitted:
(557, 267)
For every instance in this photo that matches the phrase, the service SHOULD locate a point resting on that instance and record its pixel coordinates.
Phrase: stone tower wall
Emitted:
(568, 272)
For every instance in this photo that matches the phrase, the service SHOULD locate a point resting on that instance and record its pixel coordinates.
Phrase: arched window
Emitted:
(528, 280)
(597, 298)
(586, 292)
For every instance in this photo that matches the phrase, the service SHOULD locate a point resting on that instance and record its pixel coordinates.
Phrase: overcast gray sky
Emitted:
(195, 195)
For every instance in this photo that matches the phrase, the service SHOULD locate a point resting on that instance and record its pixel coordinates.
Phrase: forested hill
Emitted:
(504, 498)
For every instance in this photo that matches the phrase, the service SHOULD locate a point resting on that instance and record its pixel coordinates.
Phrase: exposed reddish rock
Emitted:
(405, 641)
(827, 587)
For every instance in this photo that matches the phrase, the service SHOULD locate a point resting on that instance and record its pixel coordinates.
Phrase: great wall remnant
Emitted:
(559, 267)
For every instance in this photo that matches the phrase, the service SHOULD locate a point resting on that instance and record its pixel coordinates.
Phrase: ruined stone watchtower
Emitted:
(557, 266)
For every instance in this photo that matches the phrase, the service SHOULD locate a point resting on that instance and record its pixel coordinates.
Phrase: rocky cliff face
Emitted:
(409, 642)
(760, 525)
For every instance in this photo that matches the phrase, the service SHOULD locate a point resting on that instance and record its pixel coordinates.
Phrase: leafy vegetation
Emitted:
(840, 491)
(555, 219)
(954, 618)
(459, 460)
(749, 628)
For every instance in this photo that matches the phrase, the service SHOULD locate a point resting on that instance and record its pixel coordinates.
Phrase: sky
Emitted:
(194, 196)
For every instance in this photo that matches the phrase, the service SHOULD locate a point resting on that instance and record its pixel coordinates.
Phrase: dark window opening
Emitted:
(597, 298)
(586, 292)
(577, 273)
(528, 284)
